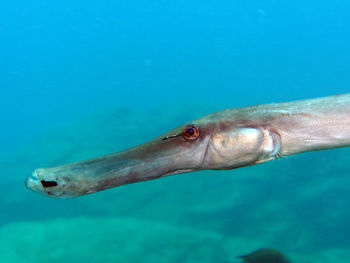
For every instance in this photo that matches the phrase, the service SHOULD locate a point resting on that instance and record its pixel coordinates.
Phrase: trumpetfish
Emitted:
(226, 139)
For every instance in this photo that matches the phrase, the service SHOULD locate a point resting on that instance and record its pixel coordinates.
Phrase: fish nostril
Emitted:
(47, 184)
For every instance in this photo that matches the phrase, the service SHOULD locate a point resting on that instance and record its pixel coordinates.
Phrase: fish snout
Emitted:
(43, 181)
(33, 182)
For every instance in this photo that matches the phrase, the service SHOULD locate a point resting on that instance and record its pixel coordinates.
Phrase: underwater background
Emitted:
(80, 79)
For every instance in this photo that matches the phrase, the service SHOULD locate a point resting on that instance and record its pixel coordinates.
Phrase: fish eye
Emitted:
(191, 132)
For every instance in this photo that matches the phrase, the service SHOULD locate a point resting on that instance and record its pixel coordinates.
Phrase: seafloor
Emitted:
(299, 205)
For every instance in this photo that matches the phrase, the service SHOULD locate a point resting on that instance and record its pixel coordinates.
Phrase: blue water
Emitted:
(80, 79)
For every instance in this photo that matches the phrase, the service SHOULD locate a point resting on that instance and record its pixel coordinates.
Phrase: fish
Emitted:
(265, 255)
(226, 139)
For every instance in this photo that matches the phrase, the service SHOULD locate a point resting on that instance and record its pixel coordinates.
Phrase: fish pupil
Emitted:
(190, 131)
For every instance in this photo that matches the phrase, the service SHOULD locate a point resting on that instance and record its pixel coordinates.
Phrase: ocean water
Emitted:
(80, 79)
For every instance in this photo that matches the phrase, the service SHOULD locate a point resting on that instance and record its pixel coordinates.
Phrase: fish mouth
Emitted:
(31, 180)
(42, 180)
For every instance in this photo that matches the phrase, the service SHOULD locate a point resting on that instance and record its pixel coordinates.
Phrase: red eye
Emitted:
(191, 132)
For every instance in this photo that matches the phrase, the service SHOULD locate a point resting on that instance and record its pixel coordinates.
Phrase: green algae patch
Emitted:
(107, 240)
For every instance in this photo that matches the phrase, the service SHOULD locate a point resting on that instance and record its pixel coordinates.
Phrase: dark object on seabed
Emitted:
(265, 255)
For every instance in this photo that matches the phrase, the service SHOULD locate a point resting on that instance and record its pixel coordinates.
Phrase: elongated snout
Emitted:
(169, 154)
(192, 148)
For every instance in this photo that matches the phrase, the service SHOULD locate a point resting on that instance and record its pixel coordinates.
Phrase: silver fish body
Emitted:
(226, 139)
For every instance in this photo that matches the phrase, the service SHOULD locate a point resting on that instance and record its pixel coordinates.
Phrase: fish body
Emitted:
(266, 255)
(226, 139)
